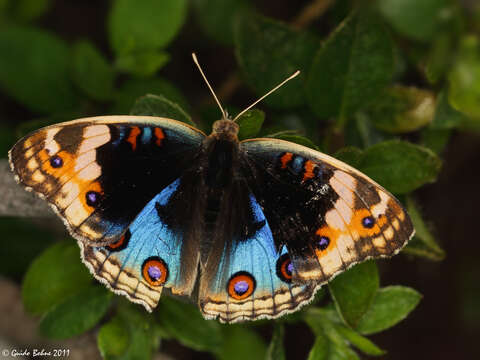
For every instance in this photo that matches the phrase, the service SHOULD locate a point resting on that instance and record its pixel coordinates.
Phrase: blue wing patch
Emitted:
(253, 279)
(144, 260)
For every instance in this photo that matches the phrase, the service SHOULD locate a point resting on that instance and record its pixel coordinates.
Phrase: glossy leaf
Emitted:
(113, 338)
(158, 105)
(34, 69)
(391, 305)
(250, 124)
(351, 69)
(275, 349)
(54, 276)
(403, 109)
(360, 342)
(446, 117)
(268, 52)
(143, 64)
(418, 20)
(235, 338)
(185, 323)
(353, 291)
(217, 17)
(91, 72)
(144, 25)
(400, 166)
(297, 139)
(77, 314)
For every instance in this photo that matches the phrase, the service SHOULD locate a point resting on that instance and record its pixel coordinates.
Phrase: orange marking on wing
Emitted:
(160, 136)
(285, 159)
(309, 167)
(132, 138)
(67, 163)
(332, 235)
(86, 187)
(159, 265)
(357, 225)
(244, 278)
(117, 243)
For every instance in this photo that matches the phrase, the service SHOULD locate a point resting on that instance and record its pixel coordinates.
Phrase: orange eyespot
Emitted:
(121, 243)
(285, 268)
(241, 285)
(155, 271)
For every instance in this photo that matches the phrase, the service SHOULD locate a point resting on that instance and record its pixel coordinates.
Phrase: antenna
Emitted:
(295, 74)
(195, 60)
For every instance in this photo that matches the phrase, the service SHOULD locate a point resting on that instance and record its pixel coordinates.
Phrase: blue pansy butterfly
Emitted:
(254, 226)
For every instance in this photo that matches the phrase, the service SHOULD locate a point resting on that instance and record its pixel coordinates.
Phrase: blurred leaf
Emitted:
(185, 323)
(113, 338)
(268, 52)
(439, 57)
(418, 20)
(320, 349)
(28, 10)
(216, 17)
(360, 132)
(233, 345)
(360, 342)
(34, 69)
(77, 314)
(446, 117)
(27, 127)
(423, 243)
(464, 78)
(353, 291)
(158, 105)
(54, 276)
(143, 64)
(91, 72)
(351, 69)
(7, 139)
(144, 25)
(275, 349)
(297, 139)
(403, 109)
(436, 139)
(250, 124)
(132, 89)
(391, 305)
(20, 243)
(350, 155)
(400, 166)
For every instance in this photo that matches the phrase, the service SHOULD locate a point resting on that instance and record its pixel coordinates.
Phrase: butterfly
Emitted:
(253, 228)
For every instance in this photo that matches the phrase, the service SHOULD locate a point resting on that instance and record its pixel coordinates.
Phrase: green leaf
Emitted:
(418, 20)
(391, 305)
(185, 323)
(439, 57)
(143, 64)
(216, 17)
(233, 345)
(91, 72)
(297, 139)
(135, 88)
(77, 314)
(423, 243)
(320, 349)
(34, 69)
(353, 291)
(250, 123)
(268, 52)
(446, 117)
(436, 139)
(351, 69)
(360, 342)
(55, 275)
(464, 78)
(350, 155)
(28, 10)
(157, 105)
(400, 166)
(7, 139)
(144, 25)
(361, 132)
(275, 349)
(113, 338)
(403, 109)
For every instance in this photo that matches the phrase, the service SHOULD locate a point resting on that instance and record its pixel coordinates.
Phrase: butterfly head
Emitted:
(225, 129)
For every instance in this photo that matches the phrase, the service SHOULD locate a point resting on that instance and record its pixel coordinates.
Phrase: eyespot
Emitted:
(241, 285)
(323, 242)
(285, 268)
(155, 271)
(368, 222)
(56, 161)
(92, 198)
(121, 243)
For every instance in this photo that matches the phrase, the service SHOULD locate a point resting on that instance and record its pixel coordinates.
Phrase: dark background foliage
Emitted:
(390, 86)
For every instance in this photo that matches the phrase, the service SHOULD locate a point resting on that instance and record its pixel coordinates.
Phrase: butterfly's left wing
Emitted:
(249, 278)
(327, 214)
(98, 173)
